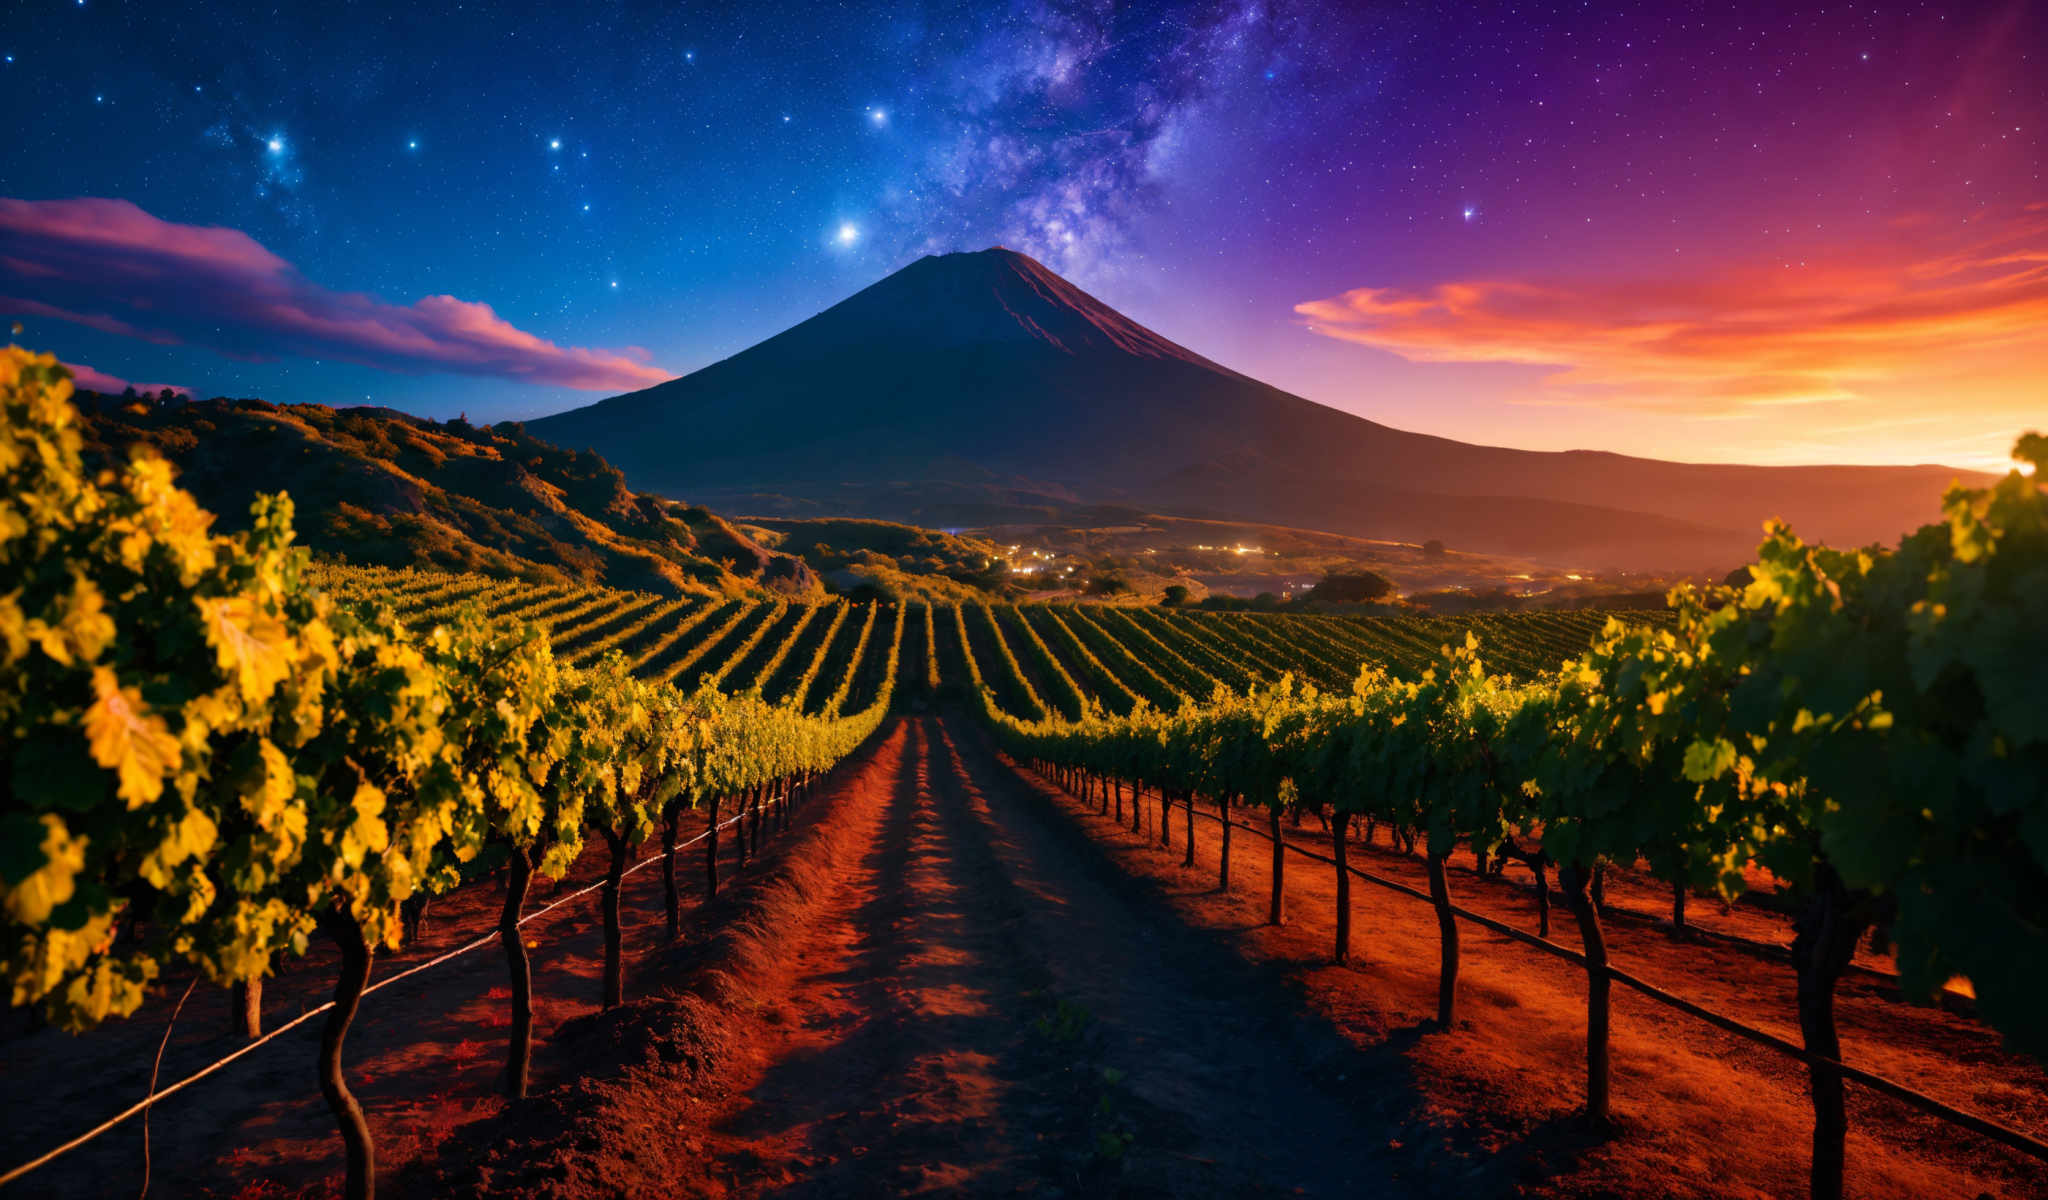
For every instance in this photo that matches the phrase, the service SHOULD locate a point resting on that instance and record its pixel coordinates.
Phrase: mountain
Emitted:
(378, 486)
(970, 388)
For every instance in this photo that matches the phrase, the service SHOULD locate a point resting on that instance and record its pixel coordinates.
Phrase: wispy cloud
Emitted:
(1724, 338)
(109, 265)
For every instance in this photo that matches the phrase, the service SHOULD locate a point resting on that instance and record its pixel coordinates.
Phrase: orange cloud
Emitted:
(1725, 339)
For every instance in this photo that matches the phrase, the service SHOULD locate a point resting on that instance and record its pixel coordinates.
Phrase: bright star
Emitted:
(554, 143)
(1471, 213)
(878, 116)
(615, 283)
(276, 145)
(412, 144)
(848, 234)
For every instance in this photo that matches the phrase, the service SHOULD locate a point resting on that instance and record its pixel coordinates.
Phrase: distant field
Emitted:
(1038, 658)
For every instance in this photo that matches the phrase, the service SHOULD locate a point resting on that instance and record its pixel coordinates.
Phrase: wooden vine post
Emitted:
(711, 850)
(1598, 986)
(1447, 937)
(358, 1151)
(1340, 821)
(1824, 941)
(1223, 855)
(518, 882)
(1276, 913)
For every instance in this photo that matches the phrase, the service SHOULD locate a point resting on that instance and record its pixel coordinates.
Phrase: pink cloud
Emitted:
(89, 380)
(109, 265)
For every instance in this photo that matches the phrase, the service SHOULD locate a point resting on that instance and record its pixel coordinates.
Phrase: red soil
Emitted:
(1701, 1112)
(952, 977)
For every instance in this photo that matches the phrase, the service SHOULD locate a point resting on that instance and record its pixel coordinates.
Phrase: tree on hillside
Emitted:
(1361, 588)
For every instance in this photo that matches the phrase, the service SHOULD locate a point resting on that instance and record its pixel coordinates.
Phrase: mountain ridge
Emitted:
(986, 370)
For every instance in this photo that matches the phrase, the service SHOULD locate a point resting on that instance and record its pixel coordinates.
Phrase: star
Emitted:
(554, 143)
(615, 283)
(412, 144)
(1471, 213)
(878, 116)
(275, 145)
(848, 234)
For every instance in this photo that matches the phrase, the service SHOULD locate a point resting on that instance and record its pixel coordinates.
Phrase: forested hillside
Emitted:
(378, 486)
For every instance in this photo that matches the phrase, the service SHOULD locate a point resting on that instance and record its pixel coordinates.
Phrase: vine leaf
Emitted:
(253, 646)
(129, 740)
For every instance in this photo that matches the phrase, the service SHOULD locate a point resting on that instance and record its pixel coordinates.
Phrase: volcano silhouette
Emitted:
(982, 388)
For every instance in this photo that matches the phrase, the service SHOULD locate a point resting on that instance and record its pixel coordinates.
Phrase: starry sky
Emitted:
(1748, 231)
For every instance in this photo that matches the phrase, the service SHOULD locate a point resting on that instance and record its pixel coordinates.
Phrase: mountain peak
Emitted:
(995, 295)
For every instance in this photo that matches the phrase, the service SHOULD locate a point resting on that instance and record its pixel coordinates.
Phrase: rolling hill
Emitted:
(378, 486)
(981, 387)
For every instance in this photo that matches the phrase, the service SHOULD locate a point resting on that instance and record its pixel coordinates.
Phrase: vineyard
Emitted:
(1858, 726)
(222, 751)
(1067, 660)
(214, 758)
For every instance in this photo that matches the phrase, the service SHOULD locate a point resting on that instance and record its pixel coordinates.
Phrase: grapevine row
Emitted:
(1868, 727)
(219, 759)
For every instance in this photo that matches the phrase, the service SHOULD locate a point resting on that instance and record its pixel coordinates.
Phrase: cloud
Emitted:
(90, 380)
(111, 266)
(1725, 338)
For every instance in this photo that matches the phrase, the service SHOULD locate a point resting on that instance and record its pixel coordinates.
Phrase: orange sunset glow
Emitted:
(1926, 346)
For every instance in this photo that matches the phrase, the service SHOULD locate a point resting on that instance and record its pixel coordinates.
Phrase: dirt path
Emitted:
(993, 1010)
